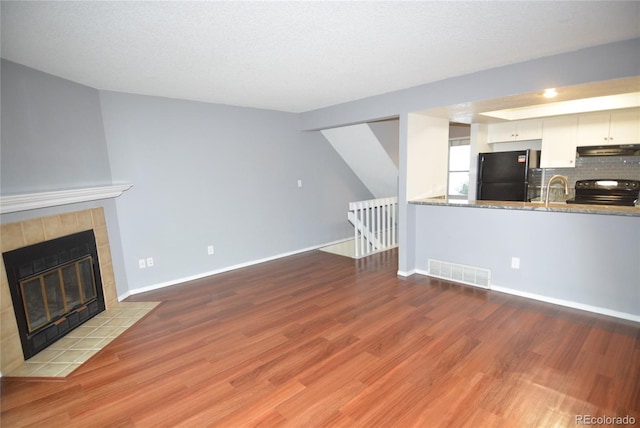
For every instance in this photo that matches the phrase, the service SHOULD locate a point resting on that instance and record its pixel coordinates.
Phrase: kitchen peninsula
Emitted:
(584, 257)
(571, 254)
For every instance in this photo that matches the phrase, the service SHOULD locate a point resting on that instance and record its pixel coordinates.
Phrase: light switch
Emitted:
(515, 263)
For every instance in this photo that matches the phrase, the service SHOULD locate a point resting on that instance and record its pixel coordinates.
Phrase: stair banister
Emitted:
(374, 224)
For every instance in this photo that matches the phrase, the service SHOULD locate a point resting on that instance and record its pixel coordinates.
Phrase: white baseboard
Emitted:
(493, 287)
(123, 296)
(406, 273)
(221, 270)
(567, 303)
(555, 301)
(339, 241)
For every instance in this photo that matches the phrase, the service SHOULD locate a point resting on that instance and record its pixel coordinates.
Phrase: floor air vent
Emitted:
(470, 275)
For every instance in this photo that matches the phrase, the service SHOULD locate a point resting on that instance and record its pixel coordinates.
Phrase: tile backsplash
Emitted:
(611, 167)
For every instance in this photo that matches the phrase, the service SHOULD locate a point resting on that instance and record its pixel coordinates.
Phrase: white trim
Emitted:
(567, 303)
(218, 271)
(30, 201)
(406, 273)
(553, 300)
(339, 241)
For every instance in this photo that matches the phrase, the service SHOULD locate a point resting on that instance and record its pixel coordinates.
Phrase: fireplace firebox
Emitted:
(55, 287)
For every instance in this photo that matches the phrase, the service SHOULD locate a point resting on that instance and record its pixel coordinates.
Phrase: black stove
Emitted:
(607, 192)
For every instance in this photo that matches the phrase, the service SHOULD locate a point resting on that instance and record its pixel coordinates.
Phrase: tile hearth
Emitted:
(67, 354)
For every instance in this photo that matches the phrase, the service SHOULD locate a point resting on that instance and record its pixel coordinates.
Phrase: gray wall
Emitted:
(388, 133)
(232, 172)
(598, 63)
(53, 138)
(581, 258)
(52, 135)
(586, 259)
(208, 174)
(203, 174)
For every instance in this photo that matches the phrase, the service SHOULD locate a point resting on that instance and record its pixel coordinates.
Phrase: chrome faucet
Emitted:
(553, 178)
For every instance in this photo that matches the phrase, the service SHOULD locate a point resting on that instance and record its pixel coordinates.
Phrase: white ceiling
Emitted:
(295, 56)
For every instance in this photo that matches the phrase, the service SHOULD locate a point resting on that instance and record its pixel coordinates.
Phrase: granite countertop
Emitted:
(533, 206)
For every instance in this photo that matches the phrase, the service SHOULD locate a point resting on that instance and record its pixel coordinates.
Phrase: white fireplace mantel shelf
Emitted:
(31, 201)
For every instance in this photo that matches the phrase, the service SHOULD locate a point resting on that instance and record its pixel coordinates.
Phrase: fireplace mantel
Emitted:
(30, 201)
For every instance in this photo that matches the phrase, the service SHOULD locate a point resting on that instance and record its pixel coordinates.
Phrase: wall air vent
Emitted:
(469, 275)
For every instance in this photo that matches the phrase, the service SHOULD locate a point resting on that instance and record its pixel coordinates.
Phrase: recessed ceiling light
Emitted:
(550, 93)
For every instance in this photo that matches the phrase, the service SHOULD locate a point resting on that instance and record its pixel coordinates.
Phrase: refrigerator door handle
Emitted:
(479, 184)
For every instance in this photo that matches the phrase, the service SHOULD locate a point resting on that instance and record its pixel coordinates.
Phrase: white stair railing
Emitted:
(375, 225)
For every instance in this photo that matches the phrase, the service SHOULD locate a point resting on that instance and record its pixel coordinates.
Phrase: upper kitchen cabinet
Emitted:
(559, 141)
(521, 130)
(624, 127)
(608, 128)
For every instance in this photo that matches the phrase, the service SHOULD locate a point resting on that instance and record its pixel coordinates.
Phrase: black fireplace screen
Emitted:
(55, 287)
(48, 296)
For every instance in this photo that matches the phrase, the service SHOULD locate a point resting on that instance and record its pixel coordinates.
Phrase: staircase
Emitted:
(375, 225)
(370, 150)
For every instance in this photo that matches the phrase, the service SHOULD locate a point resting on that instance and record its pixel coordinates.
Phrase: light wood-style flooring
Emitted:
(318, 339)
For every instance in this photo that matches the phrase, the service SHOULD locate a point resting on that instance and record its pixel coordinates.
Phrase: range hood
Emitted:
(616, 150)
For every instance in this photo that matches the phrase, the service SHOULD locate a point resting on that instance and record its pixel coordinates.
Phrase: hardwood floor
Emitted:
(318, 339)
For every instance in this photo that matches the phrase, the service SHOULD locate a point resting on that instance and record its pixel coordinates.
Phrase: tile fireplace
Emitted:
(55, 287)
(42, 229)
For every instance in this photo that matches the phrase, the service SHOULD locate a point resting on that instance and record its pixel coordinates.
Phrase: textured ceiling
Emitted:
(295, 56)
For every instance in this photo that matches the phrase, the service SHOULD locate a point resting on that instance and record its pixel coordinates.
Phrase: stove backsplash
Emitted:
(613, 167)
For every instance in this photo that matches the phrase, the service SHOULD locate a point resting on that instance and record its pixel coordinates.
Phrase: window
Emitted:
(459, 159)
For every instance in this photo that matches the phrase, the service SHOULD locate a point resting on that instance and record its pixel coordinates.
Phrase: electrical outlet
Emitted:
(299, 183)
(210, 250)
(515, 262)
(149, 261)
(142, 263)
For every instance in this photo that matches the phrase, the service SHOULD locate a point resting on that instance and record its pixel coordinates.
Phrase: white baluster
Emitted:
(354, 213)
(375, 226)
(393, 223)
(385, 225)
(379, 226)
(387, 240)
(368, 228)
(361, 229)
(383, 232)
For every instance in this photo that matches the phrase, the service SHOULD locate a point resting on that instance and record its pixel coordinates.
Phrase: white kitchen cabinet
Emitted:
(500, 132)
(593, 129)
(520, 130)
(608, 128)
(624, 127)
(559, 141)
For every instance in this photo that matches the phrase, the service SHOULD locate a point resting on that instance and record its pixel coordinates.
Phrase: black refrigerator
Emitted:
(504, 176)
